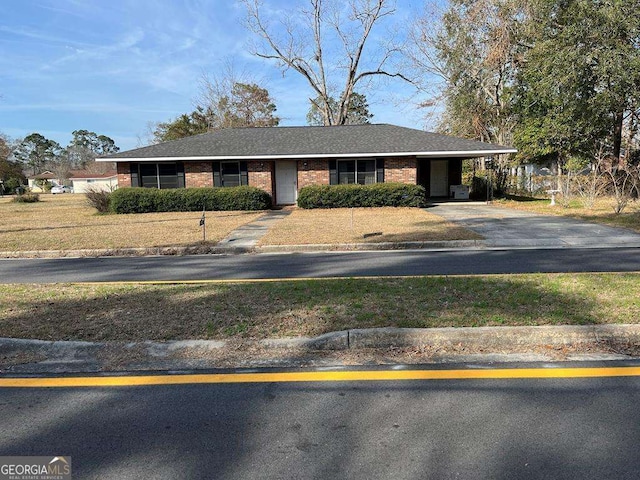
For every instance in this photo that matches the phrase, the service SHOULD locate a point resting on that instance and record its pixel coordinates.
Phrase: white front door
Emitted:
(286, 182)
(439, 182)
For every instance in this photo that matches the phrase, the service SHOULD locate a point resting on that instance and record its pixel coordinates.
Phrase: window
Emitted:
(362, 171)
(346, 171)
(230, 174)
(167, 175)
(157, 175)
(149, 175)
(366, 172)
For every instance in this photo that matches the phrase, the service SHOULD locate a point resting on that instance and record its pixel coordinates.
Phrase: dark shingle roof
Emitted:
(81, 174)
(291, 142)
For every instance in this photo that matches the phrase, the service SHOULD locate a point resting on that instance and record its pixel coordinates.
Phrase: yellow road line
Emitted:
(334, 376)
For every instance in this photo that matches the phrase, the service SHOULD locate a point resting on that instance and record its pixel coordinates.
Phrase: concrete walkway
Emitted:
(247, 236)
(504, 227)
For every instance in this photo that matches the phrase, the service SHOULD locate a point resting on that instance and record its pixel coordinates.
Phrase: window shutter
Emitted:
(217, 181)
(333, 172)
(133, 170)
(244, 174)
(380, 170)
(180, 174)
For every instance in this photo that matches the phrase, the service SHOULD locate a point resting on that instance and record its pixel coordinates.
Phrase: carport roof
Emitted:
(371, 140)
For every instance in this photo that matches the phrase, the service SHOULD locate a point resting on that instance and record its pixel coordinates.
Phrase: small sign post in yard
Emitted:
(203, 224)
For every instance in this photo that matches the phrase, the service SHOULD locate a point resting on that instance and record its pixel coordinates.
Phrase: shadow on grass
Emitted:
(115, 223)
(293, 308)
(522, 198)
(425, 232)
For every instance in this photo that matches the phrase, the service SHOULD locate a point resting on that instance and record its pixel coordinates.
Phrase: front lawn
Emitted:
(137, 312)
(363, 225)
(66, 222)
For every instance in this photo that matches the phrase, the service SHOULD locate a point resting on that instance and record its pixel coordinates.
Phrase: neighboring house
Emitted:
(82, 180)
(34, 180)
(282, 160)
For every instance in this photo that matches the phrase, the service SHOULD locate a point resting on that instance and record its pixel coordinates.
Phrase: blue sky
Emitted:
(114, 66)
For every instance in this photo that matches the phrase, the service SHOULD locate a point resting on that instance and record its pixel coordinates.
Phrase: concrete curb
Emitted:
(128, 252)
(496, 338)
(64, 355)
(452, 244)
(343, 247)
(214, 249)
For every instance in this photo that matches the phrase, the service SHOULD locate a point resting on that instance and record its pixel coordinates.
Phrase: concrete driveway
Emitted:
(504, 227)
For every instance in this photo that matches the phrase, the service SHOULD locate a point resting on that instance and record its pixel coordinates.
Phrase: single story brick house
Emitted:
(282, 160)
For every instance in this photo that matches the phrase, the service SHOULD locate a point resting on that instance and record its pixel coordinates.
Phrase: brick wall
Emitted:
(261, 175)
(124, 175)
(402, 170)
(313, 172)
(198, 174)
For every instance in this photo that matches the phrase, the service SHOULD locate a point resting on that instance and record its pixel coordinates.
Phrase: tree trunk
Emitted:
(617, 135)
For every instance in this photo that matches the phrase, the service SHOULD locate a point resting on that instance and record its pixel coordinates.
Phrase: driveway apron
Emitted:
(505, 227)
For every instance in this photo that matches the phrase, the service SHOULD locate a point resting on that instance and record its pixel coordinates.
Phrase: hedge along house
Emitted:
(282, 160)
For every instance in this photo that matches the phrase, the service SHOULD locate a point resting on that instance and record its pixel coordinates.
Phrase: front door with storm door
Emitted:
(439, 181)
(286, 182)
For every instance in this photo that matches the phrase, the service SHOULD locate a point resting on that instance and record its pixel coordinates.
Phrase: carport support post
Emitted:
(488, 165)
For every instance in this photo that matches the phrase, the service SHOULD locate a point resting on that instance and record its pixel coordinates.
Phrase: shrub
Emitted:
(44, 184)
(11, 185)
(376, 195)
(27, 198)
(144, 200)
(478, 190)
(98, 199)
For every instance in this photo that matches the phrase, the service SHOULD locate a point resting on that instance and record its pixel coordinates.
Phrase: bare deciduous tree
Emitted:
(472, 47)
(236, 105)
(226, 100)
(592, 185)
(304, 43)
(623, 182)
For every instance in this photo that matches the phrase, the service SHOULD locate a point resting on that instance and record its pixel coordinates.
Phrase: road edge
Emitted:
(69, 356)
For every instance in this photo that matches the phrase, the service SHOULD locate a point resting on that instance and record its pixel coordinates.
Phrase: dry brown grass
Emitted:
(345, 225)
(602, 211)
(138, 312)
(66, 222)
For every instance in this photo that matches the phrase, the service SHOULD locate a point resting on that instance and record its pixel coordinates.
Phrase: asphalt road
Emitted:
(342, 264)
(438, 429)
